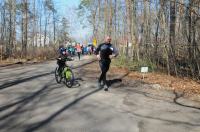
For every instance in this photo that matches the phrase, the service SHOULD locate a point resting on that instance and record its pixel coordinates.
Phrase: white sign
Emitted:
(130, 44)
(144, 69)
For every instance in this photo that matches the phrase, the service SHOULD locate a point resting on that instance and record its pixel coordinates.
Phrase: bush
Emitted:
(134, 65)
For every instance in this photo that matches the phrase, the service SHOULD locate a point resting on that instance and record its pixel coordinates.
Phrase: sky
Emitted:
(67, 8)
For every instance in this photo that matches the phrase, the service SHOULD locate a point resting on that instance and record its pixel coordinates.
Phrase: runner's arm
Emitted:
(115, 52)
(98, 49)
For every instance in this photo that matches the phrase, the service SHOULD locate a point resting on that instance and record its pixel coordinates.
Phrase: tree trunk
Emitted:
(24, 28)
(54, 28)
(115, 23)
(129, 18)
(110, 18)
(172, 36)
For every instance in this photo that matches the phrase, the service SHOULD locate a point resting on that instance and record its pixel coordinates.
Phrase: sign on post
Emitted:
(95, 42)
(144, 70)
(130, 44)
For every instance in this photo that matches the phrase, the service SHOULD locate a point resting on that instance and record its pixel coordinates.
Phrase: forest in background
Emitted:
(30, 29)
(160, 33)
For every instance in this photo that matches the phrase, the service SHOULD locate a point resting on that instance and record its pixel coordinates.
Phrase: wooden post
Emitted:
(144, 70)
(1, 47)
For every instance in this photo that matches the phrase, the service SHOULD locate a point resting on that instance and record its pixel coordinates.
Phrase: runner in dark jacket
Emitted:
(105, 52)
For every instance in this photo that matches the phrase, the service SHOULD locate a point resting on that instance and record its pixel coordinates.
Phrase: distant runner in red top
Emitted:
(78, 50)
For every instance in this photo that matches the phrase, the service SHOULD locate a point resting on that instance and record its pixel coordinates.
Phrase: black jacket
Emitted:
(106, 49)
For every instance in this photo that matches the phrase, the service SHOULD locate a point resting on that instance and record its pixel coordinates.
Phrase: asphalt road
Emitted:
(31, 100)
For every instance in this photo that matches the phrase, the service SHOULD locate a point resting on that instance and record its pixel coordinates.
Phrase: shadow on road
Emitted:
(117, 80)
(84, 64)
(132, 91)
(11, 111)
(179, 95)
(113, 81)
(76, 82)
(36, 126)
(165, 120)
(9, 84)
(18, 81)
(28, 98)
(19, 107)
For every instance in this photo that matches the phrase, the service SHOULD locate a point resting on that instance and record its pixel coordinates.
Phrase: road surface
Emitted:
(31, 100)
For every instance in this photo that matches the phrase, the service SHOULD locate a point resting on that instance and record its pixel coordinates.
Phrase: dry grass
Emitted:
(33, 55)
(186, 85)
